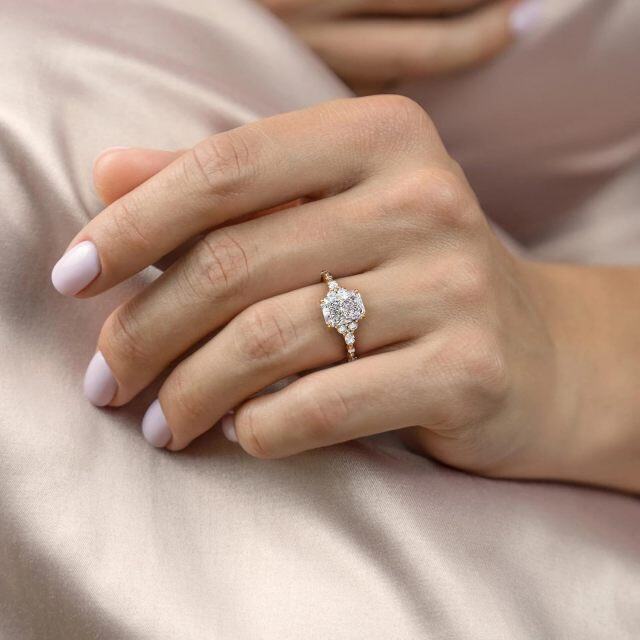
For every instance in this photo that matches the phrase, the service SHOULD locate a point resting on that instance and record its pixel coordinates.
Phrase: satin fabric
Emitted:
(549, 134)
(102, 536)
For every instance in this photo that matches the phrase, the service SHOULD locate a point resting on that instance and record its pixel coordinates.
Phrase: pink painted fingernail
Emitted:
(76, 269)
(229, 427)
(99, 384)
(525, 16)
(155, 428)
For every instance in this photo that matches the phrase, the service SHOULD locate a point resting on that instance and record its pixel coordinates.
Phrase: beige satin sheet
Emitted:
(103, 537)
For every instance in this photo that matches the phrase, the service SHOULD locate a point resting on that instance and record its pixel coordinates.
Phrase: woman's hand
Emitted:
(372, 44)
(474, 346)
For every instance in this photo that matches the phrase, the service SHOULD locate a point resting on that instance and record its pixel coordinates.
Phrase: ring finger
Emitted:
(270, 340)
(223, 274)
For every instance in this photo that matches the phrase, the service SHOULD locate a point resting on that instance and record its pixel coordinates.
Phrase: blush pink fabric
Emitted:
(102, 536)
(549, 134)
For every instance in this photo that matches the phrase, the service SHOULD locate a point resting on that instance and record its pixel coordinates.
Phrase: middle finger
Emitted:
(223, 274)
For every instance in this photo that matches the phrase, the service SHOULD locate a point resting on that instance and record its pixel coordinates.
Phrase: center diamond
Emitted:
(341, 307)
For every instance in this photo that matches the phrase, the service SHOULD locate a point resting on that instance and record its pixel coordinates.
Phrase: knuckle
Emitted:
(393, 121)
(181, 395)
(323, 411)
(469, 282)
(250, 435)
(429, 196)
(411, 195)
(218, 266)
(264, 331)
(225, 162)
(126, 225)
(482, 367)
(460, 282)
(488, 369)
(122, 339)
(398, 108)
(448, 199)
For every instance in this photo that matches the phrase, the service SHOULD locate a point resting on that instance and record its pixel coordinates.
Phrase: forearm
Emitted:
(594, 317)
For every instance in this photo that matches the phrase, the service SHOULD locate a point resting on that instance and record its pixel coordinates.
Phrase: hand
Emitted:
(474, 346)
(372, 44)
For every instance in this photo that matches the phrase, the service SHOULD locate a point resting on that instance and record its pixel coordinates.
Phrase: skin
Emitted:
(372, 44)
(486, 361)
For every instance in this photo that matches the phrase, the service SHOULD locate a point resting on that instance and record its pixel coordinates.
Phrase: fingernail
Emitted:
(525, 16)
(99, 384)
(76, 269)
(107, 151)
(154, 426)
(229, 427)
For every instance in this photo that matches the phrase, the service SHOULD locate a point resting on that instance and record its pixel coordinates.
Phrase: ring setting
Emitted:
(342, 310)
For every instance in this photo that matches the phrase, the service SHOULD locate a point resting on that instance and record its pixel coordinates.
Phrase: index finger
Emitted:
(313, 152)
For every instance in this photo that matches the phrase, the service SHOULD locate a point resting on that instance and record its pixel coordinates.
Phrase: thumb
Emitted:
(118, 170)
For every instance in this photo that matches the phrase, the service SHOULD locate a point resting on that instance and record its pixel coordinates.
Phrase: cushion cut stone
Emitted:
(341, 307)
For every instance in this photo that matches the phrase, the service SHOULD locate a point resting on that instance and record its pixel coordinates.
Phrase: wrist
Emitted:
(591, 434)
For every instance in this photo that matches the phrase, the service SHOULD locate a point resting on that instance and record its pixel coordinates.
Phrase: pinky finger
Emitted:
(371, 395)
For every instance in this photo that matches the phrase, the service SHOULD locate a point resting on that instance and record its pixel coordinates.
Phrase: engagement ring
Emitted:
(342, 310)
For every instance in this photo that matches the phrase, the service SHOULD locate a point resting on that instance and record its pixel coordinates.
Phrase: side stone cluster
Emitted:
(342, 309)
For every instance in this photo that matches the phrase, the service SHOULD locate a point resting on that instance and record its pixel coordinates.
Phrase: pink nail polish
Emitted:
(229, 427)
(76, 269)
(525, 16)
(99, 384)
(155, 428)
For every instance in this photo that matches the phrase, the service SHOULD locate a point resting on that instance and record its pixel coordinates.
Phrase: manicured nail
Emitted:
(229, 427)
(99, 384)
(154, 426)
(525, 16)
(76, 269)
